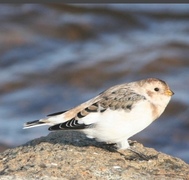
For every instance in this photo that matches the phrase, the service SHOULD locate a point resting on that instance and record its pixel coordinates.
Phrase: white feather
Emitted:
(117, 127)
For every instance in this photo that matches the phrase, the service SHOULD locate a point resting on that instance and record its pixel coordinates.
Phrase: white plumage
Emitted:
(116, 114)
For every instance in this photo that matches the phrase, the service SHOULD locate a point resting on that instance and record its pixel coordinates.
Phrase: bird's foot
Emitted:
(143, 156)
(132, 148)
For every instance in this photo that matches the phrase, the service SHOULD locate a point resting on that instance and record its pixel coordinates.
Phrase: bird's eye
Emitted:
(156, 89)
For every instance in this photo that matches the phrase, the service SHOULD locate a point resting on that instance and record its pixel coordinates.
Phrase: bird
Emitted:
(114, 115)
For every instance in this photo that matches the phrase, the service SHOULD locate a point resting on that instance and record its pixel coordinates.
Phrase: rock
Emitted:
(3, 147)
(70, 155)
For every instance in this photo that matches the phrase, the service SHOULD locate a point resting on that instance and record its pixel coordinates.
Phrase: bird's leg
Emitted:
(130, 147)
(141, 155)
(131, 143)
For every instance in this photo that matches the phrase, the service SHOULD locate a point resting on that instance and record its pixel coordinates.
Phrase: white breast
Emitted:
(114, 125)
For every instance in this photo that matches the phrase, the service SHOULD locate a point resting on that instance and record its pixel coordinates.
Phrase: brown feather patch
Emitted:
(154, 110)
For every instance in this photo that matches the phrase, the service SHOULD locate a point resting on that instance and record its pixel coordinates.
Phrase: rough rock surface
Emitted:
(70, 155)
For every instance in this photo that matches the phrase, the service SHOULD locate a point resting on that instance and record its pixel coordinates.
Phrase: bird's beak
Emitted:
(168, 92)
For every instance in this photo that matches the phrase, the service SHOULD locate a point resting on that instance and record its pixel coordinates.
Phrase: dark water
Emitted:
(53, 57)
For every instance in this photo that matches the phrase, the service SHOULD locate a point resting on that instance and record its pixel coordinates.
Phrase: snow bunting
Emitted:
(116, 114)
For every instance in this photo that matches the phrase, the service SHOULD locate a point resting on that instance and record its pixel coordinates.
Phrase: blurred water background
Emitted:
(56, 56)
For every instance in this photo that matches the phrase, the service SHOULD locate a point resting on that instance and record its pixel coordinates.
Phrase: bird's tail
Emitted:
(50, 120)
(34, 124)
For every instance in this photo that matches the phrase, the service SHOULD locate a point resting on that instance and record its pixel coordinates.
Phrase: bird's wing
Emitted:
(115, 98)
(120, 97)
(56, 113)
